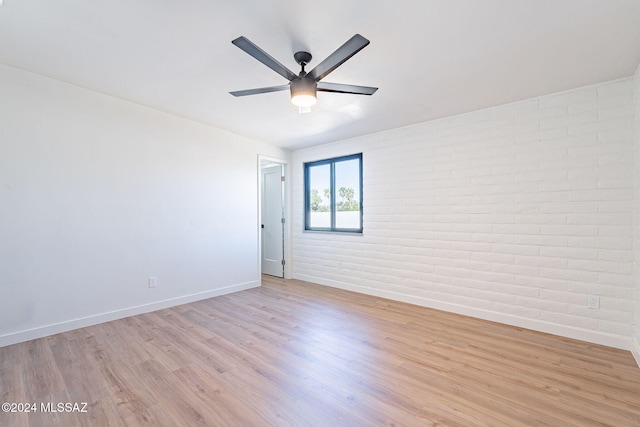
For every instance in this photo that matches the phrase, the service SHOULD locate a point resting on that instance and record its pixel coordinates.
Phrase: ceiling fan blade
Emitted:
(252, 49)
(343, 88)
(259, 90)
(352, 46)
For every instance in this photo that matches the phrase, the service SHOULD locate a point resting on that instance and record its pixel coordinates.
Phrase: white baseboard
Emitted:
(595, 337)
(43, 331)
(635, 350)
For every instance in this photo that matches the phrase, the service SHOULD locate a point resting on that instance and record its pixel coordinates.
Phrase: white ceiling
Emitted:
(430, 58)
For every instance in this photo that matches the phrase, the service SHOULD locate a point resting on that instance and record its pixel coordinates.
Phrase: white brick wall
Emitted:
(515, 213)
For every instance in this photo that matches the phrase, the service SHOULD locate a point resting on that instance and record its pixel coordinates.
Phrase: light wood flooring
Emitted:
(295, 354)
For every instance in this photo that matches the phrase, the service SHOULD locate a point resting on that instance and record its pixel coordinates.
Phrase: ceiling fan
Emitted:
(304, 85)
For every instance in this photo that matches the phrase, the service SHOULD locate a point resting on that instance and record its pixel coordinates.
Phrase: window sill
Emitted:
(348, 233)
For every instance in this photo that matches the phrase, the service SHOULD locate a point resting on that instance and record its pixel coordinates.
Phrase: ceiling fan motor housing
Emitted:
(303, 91)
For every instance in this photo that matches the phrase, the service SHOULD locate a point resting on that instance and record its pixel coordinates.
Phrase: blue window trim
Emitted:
(307, 194)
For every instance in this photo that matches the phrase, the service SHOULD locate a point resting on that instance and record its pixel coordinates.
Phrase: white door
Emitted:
(272, 221)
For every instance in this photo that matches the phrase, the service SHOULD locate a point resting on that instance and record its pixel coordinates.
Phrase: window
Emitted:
(333, 194)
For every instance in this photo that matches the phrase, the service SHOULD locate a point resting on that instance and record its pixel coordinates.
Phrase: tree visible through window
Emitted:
(333, 194)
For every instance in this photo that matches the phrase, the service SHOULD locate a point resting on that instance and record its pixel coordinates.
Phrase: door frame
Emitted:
(264, 161)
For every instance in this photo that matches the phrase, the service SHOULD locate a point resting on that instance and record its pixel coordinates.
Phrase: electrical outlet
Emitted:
(593, 302)
(153, 282)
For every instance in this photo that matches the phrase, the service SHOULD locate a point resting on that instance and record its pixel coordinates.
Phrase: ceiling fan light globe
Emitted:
(303, 100)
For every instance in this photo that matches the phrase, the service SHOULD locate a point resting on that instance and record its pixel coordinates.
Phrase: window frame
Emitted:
(332, 202)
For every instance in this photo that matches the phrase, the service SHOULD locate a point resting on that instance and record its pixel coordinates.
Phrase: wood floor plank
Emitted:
(292, 353)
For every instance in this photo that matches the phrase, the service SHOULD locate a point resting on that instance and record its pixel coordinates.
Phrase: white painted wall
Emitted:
(515, 214)
(97, 194)
(636, 216)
